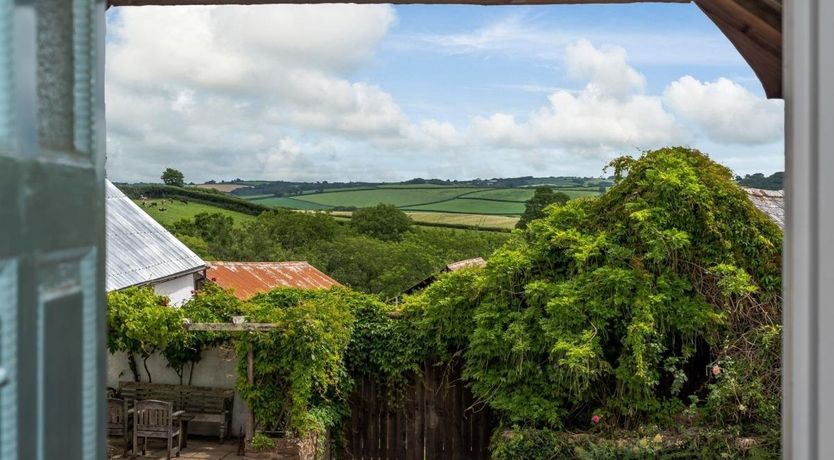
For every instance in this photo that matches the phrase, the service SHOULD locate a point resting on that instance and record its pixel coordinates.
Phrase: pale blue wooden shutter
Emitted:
(51, 229)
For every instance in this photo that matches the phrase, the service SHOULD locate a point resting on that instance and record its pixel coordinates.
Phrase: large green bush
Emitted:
(622, 305)
(646, 443)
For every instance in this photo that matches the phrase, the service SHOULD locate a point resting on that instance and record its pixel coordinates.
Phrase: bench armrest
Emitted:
(178, 413)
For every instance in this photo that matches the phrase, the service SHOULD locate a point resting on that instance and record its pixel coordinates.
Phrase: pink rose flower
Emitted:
(595, 419)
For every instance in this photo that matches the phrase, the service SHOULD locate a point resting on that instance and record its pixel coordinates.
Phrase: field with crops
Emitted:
(423, 198)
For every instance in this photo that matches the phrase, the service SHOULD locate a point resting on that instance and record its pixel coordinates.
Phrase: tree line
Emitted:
(379, 252)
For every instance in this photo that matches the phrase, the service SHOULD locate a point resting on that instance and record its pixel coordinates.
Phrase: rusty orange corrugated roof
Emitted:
(250, 278)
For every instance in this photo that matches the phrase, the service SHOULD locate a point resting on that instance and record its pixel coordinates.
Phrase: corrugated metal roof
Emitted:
(770, 202)
(468, 263)
(139, 249)
(250, 278)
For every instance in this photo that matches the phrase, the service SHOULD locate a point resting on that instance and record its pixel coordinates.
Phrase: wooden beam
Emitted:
(398, 2)
(754, 28)
(230, 327)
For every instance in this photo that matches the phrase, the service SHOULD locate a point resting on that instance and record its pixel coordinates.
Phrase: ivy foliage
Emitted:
(619, 305)
(300, 381)
(442, 316)
(706, 444)
(211, 304)
(141, 323)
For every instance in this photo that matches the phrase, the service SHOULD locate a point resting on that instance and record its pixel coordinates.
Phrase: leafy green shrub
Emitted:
(385, 348)
(211, 304)
(261, 442)
(384, 222)
(139, 322)
(444, 312)
(648, 443)
(535, 207)
(620, 305)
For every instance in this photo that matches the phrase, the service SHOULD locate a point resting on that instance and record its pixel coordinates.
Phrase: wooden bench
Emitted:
(204, 404)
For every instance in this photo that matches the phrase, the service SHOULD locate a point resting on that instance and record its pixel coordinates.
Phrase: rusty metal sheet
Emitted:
(250, 278)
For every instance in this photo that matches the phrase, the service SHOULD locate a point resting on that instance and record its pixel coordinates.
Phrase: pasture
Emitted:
(222, 187)
(472, 206)
(400, 197)
(485, 221)
(472, 220)
(423, 198)
(176, 210)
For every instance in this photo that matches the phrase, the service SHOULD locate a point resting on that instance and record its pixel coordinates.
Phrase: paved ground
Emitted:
(208, 449)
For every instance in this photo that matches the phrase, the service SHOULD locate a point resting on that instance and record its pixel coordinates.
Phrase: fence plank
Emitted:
(433, 421)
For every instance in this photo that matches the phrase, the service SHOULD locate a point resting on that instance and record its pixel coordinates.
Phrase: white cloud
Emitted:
(522, 36)
(221, 86)
(725, 111)
(608, 116)
(271, 92)
(605, 69)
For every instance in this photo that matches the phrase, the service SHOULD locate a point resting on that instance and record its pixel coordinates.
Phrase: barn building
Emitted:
(141, 252)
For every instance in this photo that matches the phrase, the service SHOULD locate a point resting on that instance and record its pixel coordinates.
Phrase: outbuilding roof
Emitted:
(770, 202)
(139, 249)
(468, 263)
(250, 278)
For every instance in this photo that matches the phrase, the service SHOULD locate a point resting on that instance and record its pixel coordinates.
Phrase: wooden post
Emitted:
(250, 376)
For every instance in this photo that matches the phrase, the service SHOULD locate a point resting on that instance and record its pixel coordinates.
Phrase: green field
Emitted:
(423, 198)
(176, 210)
(292, 203)
(400, 197)
(472, 220)
(472, 206)
(508, 194)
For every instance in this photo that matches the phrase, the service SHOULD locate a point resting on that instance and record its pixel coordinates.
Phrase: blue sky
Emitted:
(388, 93)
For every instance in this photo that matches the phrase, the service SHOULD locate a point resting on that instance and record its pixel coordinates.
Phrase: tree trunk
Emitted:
(145, 364)
(131, 361)
(191, 373)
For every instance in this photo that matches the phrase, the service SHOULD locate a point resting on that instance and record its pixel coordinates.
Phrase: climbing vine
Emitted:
(623, 305)
(211, 304)
(140, 323)
(300, 381)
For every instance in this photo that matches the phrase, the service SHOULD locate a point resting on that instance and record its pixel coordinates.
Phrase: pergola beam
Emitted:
(250, 353)
(230, 327)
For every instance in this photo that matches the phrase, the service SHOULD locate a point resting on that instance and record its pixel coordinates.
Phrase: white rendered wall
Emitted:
(217, 369)
(178, 290)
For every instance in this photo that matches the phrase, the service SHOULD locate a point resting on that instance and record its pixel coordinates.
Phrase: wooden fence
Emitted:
(435, 420)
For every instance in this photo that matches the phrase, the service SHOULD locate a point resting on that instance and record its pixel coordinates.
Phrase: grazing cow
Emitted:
(153, 204)
(161, 209)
